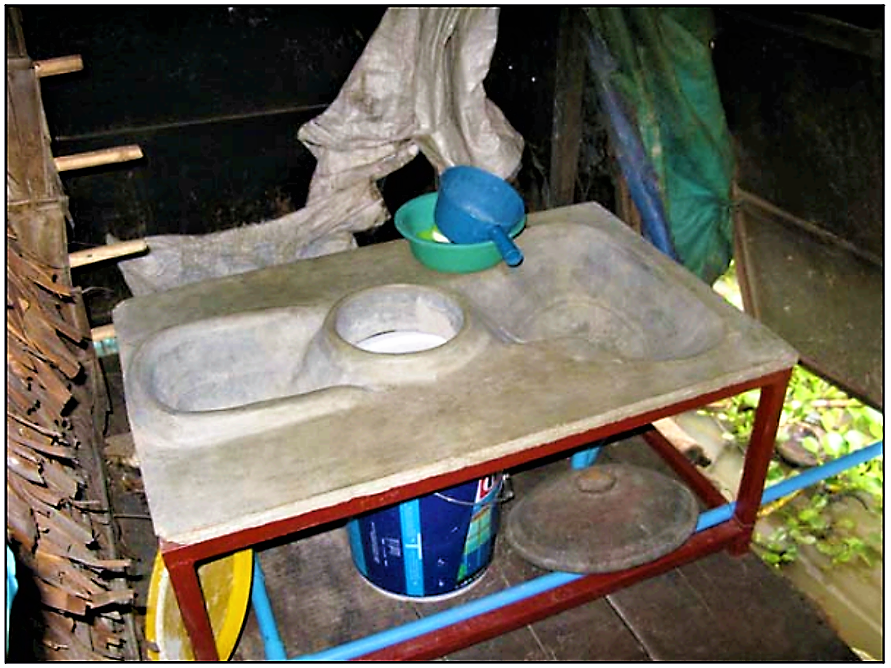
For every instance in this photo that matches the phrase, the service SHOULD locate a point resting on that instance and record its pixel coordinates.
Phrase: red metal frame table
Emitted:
(212, 492)
(734, 535)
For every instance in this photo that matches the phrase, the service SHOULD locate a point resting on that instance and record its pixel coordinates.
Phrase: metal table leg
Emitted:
(183, 572)
(758, 456)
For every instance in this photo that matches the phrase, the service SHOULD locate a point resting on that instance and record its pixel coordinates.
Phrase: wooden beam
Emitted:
(808, 226)
(701, 485)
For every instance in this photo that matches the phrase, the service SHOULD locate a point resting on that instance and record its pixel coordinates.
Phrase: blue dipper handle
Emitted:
(509, 250)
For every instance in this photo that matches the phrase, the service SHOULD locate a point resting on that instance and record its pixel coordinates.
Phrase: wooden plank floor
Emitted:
(720, 608)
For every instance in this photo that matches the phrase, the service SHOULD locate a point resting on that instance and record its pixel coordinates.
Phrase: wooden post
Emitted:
(36, 213)
(625, 207)
(569, 87)
(15, 39)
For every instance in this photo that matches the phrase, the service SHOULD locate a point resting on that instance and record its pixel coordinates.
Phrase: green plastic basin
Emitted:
(415, 222)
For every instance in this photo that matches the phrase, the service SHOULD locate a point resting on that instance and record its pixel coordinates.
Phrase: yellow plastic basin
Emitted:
(226, 584)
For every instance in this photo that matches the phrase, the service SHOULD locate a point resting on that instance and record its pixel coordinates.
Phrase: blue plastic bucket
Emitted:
(432, 545)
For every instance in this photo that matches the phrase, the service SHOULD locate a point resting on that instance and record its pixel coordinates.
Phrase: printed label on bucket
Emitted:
(428, 546)
(478, 544)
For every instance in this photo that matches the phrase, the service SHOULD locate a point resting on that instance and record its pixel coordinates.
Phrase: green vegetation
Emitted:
(819, 423)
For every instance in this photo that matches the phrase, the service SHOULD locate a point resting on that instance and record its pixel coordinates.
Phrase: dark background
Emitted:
(807, 114)
(215, 96)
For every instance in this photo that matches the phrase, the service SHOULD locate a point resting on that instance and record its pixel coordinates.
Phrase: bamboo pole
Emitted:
(100, 253)
(105, 156)
(62, 65)
(102, 333)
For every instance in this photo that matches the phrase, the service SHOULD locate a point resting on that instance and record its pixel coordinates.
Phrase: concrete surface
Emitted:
(594, 327)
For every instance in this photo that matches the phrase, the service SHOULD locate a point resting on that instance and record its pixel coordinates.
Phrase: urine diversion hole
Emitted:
(398, 319)
(398, 342)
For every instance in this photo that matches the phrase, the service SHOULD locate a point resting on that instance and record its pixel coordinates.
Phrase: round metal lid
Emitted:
(604, 518)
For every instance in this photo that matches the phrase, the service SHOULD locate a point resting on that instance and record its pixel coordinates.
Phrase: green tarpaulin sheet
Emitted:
(666, 79)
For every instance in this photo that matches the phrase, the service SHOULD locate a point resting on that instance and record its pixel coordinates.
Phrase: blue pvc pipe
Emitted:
(377, 641)
(12, 586)
(272, 642)
(804, 479)
(584, 458)
(643, 184)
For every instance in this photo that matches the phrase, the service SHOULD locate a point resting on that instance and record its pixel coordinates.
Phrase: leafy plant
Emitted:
(820, 419)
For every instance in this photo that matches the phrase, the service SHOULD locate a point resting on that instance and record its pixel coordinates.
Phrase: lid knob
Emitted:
(595, 481)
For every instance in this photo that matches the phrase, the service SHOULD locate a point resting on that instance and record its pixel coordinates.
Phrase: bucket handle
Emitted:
(503, 492)
(511, 253)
